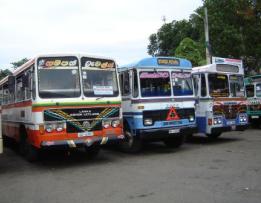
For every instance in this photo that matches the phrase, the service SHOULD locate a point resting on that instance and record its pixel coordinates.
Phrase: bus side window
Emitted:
(135, 89)
(196, 83)
(19, 93)
(1, 95)
(203, 86)
(250, 90)
(33, 82)
(125, 83)
(5, 94)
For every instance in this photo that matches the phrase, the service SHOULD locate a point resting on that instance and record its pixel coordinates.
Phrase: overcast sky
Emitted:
(115, 28)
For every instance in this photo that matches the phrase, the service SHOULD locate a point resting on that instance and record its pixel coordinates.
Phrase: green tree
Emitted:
(168, 37)
(19, 63)
(234, 28)
(4, 73)
(192, 51)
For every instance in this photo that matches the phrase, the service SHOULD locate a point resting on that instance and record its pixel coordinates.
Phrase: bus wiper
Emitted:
(99, 98)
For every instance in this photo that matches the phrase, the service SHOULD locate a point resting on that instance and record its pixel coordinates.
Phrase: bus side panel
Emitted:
(202, 124)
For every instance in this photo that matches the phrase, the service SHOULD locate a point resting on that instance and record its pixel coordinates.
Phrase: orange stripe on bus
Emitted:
(42, 108)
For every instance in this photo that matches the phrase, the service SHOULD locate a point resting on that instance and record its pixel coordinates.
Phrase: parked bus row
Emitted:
(77, 100)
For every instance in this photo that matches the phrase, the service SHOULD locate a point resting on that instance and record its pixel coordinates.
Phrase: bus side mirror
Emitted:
(11, 83)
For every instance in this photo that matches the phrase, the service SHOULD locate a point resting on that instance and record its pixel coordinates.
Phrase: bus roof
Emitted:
(160, 62)
(251, 79)
(214, 68)
(26, 65)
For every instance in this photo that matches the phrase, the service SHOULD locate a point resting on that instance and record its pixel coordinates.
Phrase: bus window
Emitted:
(66, 87)
(1, 95)
(135, 90)
(203, 86)
(182, 84)
(258, 90)
(99, 83)
(19, 93)
(250, 90)
(236, 86)
(155, 84)
(196, 82)
(125, 83)
(218, 85)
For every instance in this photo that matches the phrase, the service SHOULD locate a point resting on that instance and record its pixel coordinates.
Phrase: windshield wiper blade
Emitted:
(99, 98)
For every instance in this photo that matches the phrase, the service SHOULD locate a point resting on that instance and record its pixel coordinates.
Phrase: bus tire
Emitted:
(131, 144)
(26, 149)
(213, 135)
(92, 151)
(175, 142)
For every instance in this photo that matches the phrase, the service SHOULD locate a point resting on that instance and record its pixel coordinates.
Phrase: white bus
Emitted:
(221, 102)
(158, 101)
(62, 101)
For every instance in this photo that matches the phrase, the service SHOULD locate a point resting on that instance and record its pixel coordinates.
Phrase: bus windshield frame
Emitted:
(237, 88)
(155, 83)
(258, 90)
(99, 83)
(58, 77)
(218, 85)
(182, 83)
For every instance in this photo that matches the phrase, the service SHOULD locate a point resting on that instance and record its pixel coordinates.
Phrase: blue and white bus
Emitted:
(158, 101)
(220, 92)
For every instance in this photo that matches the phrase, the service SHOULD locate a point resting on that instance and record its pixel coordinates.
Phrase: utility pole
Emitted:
(208, 57)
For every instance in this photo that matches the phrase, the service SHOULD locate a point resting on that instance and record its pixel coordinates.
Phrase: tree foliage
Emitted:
(191, 50)
(4, 73)
(19, 63)
(234, 29)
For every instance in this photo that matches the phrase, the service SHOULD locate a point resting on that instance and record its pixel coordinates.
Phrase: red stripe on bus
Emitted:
(18, 104)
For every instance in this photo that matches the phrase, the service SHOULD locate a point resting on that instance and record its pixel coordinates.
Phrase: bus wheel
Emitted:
(213, 135)
(175, 142)
(30, 152)
(131, 144)
(92, 151)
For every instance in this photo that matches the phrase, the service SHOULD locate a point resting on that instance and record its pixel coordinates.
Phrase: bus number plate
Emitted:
(173, 131)
(84, 134)
(255, 117)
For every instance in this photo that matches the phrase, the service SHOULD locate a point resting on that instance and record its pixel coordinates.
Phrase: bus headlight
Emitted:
(147, 121)
(191, 118)
(242, 119)
(115, 123)
(217, 121)
(59, 127)
(106, 123)
(49, 127)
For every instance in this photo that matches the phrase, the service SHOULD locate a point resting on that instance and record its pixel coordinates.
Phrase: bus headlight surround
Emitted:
(115, 123)
(191, 118)
(242, 119)
(217, 121)
(106, 123)
(148, 121)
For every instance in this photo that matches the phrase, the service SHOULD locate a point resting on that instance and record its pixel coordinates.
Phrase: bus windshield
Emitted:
(258, 90)
(182, 84)
(98, 82)
(236, 86)
(218, 85)
(155, 84)
(58, 77)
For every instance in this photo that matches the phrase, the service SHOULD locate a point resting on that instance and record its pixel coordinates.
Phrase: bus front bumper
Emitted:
(83, 142)
(223, 129)
(163, 133)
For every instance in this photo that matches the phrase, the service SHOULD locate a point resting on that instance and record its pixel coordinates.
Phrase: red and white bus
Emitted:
(62, 100)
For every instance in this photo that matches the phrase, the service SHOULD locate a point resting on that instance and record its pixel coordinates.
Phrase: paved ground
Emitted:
(227, 170)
